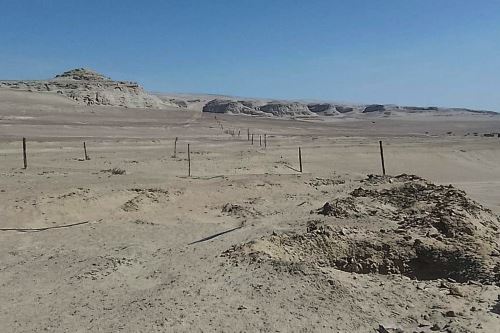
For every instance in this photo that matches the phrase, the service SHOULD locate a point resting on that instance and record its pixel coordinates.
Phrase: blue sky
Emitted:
(410, 52)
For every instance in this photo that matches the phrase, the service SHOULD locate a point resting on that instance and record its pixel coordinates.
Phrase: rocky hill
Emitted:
(301, 109)
(273, 108)
(87, 87)
(304, 109)
(257, 107)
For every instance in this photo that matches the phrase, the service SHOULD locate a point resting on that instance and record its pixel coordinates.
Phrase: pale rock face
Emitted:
(374, 108)
(225, 106)
(279, 109)
(329, 109)
(286, 109)
(91, 88)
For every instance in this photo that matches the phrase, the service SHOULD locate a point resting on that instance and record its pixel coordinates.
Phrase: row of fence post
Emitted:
(86, 156)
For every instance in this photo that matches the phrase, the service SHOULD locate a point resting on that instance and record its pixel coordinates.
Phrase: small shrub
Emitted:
(115, 171)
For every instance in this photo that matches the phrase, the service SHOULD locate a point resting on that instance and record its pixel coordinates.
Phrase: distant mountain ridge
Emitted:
(301, 109)
(87, 87)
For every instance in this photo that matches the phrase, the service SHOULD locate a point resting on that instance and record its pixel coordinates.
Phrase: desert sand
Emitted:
(244, 244)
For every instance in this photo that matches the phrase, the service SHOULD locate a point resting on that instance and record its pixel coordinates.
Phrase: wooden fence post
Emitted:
(248, 134)
(175, 147)
(260, 140)
(252, 138)
(265, 140)
(382, 157)
(300, 159)
(85, 151)
(189, 162)
(25, 159)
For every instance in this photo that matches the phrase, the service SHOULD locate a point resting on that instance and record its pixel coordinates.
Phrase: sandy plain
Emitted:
(85, 250)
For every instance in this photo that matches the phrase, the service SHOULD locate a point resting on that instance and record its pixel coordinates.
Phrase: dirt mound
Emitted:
(240, 211)
(378, 179)
(341, 207)
(319, 182)
(144, 198)
(413, 227)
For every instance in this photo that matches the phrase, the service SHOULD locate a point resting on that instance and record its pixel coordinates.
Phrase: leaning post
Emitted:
(86, 157)
(300, 160)
(382, 157)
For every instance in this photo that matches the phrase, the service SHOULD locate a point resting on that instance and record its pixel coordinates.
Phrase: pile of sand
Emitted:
(408, 226)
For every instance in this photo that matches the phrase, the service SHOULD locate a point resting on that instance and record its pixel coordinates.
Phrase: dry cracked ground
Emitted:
(127, 242)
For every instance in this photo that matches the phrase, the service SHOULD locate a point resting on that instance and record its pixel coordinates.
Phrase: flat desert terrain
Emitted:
(128, 242)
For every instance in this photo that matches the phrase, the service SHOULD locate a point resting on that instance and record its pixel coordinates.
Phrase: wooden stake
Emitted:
(252, 138)
(25, 159)
(382, 157)
(189, 162)
(175, 147)
(300, 159)
(248, 134)
(265, 140)
(260, 140)
(85, 151)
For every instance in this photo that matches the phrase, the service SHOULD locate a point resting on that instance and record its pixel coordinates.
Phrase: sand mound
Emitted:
(144, 198)
(413, 227)
(240, 211)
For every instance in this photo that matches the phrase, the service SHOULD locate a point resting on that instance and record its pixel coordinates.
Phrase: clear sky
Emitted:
(410, 52)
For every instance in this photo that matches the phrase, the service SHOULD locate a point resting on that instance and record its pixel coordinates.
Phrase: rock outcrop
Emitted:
(321, 108)
(374, 108)
(229, 106)
(279, 109)
(224, 106)
(344, 109)
(329, 109)
(90, 88)
(286, 109)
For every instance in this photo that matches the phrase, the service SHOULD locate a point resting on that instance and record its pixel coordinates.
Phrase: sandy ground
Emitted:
(82, 249)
